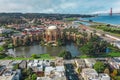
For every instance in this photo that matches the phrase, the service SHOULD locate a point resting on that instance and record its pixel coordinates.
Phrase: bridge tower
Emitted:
(111, 12)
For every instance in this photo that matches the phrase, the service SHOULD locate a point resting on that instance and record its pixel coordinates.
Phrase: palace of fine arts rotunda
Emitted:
(52, 33)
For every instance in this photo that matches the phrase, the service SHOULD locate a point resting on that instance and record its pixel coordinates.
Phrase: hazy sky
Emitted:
(59, 6)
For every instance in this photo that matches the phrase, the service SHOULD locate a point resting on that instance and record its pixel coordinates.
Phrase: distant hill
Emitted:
(8, 18)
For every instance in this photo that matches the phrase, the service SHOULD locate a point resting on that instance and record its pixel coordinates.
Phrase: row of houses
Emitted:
(91, 74)
(48, 69)
(44, 69)
(87, 71)
(55, 70)
(7, 72)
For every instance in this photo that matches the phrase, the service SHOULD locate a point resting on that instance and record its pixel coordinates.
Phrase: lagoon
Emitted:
(38, 49)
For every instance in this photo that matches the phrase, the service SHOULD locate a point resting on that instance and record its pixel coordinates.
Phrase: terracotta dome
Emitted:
(52, 27)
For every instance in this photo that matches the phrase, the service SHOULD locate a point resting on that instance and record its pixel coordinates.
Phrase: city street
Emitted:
(70, 72)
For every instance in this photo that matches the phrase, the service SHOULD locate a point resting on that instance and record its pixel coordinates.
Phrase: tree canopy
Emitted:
(94, 46)
(99, 66)
(65, 54)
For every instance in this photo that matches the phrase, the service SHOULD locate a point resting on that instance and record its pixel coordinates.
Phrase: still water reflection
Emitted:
(38, 49)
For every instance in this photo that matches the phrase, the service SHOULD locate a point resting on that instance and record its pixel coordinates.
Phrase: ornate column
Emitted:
(37, 36)
(31, 38)
(50, 36)
(24, 40)
(47, 37)
(68, 35)
(61, 34)
(74, 36)
(55, 36)
(14, 40)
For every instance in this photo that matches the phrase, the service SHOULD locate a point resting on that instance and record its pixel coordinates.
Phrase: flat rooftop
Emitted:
(6, 77)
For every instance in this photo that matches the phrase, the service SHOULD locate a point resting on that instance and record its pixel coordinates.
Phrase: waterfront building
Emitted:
(52, 33)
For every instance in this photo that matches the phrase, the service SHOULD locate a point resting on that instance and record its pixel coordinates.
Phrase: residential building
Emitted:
(55, 73)
(80, 63)
(104, 76)
(23, 64)
(89, 74)
(114, 63)
(11, 75)
(90, 62)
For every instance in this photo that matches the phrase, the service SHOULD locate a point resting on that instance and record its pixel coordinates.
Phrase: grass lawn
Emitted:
(112, 54)
(17, 58)
(71, 19)
(46, 56)
(40, 56)
(20, 58)
(86, 56)
(111, 33)
(115, 34)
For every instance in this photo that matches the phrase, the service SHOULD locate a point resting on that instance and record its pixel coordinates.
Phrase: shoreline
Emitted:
(94, 22)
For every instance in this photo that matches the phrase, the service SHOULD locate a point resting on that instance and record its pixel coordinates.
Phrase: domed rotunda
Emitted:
(52, 33)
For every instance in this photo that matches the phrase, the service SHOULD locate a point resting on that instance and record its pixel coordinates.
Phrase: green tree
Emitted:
(117, 78)
(27, 74)
(94, 38)
(29, 71)
(60, 43)
(65, 54)
(99, 66)
(87, 49)
(52, 64)
(34, 77)
(79, 41)
(1, 48)
(115, 72)
(34, 56)
(16, 66)
(107, 71)
(84, 35)
(94, 47)
(79, 70)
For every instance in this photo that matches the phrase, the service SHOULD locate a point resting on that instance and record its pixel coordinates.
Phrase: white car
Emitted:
(67, 70)
(70, 77)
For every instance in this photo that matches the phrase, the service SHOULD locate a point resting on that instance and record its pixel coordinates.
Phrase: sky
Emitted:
(60, 6)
